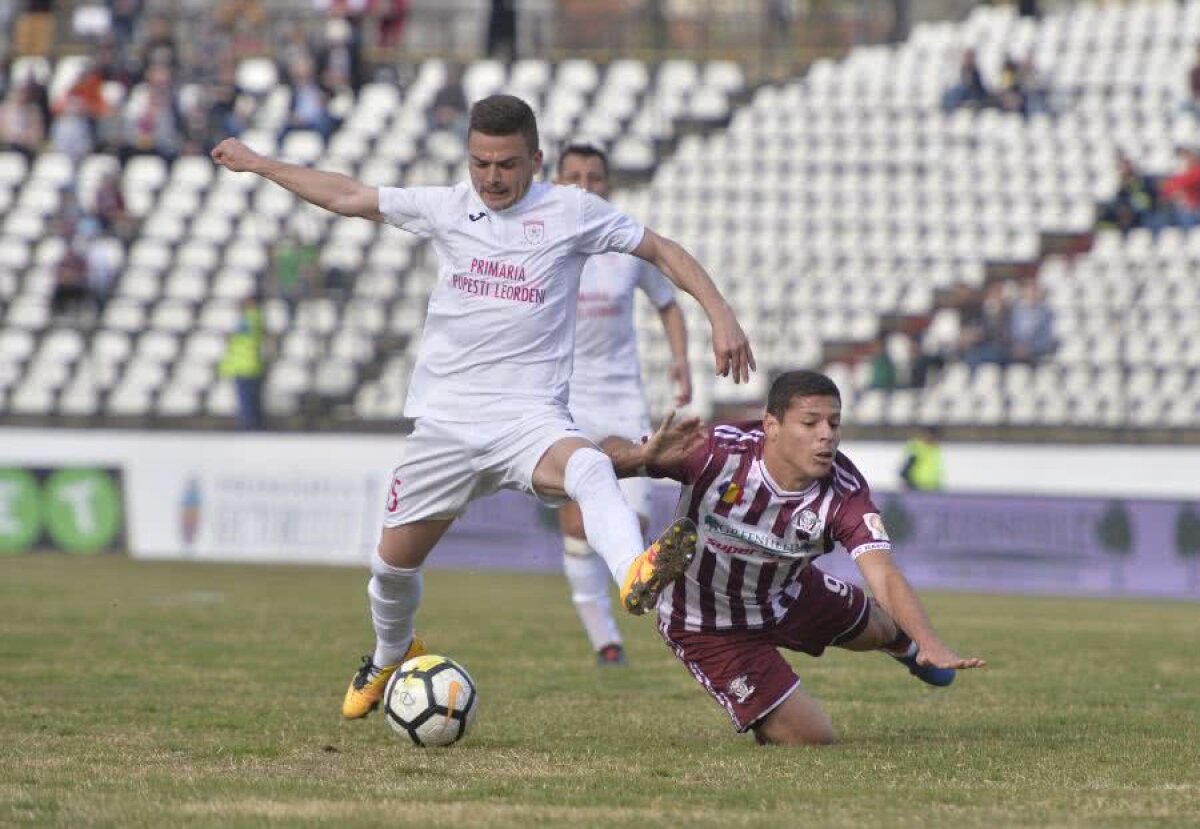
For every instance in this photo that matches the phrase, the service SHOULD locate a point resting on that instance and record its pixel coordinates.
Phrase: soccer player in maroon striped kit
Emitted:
(768, 498)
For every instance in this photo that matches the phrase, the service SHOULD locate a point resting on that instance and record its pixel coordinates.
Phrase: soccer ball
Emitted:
(431, 699)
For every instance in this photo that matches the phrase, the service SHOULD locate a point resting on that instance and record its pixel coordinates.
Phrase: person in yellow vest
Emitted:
(922, 468)
(243, 362)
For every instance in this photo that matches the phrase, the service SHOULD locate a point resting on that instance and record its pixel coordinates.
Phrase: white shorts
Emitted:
(449, 464)
(599, 422)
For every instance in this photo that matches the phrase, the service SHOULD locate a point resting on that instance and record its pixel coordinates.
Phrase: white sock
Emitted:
(610, 524)
(588, 576)
(395, 594)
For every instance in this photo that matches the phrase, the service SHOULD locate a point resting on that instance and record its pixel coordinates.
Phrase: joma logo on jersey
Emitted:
(535, 231)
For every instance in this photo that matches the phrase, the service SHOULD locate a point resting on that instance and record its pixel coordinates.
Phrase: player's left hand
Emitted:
(731, 347)
(940, 656)
(674, 440)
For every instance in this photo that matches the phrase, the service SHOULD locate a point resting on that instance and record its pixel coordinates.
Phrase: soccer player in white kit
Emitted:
(607, 396)
(489, 388)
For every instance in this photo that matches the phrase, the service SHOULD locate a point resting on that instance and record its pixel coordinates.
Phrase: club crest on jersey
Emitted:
(875, 526)
(740, 689)
(808, 524)
(535, 231)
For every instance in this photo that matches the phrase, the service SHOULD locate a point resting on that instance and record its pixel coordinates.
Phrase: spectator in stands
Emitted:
(243, 23)
(986, 327)
(922, 469)
(970, 90)
(153, 122)
(1194, 84)
(1180, 193)
(243, 363)
(449, 108)
(502, 30)
(71, 133)
(393, 15)
(295, 267)
(1010, 92)
(227, 114)
(109, 209)
(310, 102)
(158, 46)
(70, 281)
(883, 367)
(1135, 202)
(22, 125)
(1031, 326)
(123, 17)
(100, 262)
(341, 65)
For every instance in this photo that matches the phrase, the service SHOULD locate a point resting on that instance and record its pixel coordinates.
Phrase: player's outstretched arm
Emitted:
(332, 191)
(731, 348)
(669, 446)
(892, 590)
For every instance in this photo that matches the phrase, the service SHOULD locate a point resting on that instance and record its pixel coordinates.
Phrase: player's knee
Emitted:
(795, 734)
(588, 471)
(383, 566)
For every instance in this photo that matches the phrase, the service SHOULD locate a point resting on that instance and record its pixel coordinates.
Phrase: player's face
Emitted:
(501, 168)
(804, 442)
(585, 171)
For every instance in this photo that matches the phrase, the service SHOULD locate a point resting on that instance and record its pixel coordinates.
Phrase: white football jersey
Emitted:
(607, 372)
(500, 330)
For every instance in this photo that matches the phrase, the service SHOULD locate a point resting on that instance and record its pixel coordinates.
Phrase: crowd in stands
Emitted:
(1018, 89)
(1155, 203)
(1009, 322)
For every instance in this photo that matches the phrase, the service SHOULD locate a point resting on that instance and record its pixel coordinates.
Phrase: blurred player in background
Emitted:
(607, 397)
(769, 497)
(489, 389)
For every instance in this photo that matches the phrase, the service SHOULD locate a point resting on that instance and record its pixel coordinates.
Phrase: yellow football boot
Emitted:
(366, 689)
(663, 562)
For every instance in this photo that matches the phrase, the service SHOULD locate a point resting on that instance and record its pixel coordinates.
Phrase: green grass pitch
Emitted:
(141, 694)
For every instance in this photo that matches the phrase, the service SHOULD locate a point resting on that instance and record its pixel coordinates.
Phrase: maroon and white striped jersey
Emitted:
(756, 537)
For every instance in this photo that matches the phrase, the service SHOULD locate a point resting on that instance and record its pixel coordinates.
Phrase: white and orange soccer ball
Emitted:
(432, 700)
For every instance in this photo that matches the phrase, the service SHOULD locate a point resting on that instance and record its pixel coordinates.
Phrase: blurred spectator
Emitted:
(1034, 87)
(393, 15)
(228, 113)
(70, 281)
(883, 373)
(970, 89)
(243, 24)
(71, 133)
(1194, 83)
(109, 209)
(340, 62)
(985, 327)
(153, 123)
(158, 45)
(100, 262)
(922, 469)
(310, 102)
(123, 15)
(1135, 202)
(502, 30)
(1180, 193)
(1010, 92)
(33, 33)
(294, 263)
(449, 108)
(243, 363)
(22, 125)
(1031, 325)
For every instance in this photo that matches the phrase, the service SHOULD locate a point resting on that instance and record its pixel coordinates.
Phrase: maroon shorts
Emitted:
(743, 669)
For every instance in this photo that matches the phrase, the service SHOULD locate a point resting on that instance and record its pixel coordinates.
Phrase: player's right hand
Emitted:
(235, 156)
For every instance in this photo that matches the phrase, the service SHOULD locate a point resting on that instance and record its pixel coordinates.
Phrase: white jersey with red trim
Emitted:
(755, 537)
(499, 333)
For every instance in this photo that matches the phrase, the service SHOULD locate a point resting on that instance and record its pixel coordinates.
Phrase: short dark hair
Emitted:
(803, 383)
(505, 115)
(583, 151)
